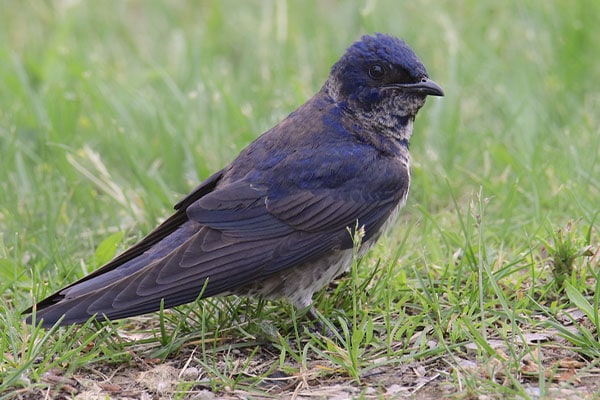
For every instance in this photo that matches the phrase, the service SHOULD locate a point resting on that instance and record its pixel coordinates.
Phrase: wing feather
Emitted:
(223, 236)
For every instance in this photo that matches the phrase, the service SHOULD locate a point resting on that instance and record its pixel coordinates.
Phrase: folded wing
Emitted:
(221, 238)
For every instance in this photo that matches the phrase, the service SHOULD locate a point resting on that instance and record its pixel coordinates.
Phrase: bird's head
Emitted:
(381, 78)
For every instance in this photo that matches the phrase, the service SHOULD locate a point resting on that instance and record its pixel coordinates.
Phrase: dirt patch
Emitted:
(551, 370)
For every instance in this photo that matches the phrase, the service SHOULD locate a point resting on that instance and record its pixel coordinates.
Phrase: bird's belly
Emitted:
(298, 284)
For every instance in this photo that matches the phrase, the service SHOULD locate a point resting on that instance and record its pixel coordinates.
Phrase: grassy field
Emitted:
(111, 111)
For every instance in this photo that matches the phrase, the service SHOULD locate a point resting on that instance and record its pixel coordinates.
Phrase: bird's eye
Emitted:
(376, 71)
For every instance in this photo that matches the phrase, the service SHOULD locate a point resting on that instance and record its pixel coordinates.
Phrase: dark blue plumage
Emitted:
(274, 222)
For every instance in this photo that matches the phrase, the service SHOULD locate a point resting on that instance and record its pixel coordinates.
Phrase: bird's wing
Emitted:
(292, 228)
(168, 227)
(236, 234)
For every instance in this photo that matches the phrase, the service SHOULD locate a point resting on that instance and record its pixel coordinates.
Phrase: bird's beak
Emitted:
(425, 86)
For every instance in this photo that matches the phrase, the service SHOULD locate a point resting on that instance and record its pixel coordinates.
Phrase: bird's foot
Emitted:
(321, 328)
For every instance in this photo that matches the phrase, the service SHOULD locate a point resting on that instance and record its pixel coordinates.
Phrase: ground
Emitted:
(551, 370)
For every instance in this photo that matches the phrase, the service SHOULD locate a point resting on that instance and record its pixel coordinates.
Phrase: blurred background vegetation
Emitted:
(160, 94)
(111, 111)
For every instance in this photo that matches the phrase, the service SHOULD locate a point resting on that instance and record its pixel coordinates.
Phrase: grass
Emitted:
(111, 111)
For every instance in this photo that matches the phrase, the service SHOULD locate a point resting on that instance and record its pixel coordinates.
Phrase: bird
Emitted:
(279, 220)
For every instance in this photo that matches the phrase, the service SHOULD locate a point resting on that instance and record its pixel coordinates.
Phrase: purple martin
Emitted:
(277, 222)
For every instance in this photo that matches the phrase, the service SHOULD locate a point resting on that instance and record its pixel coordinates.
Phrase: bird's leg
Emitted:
(319, 327)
